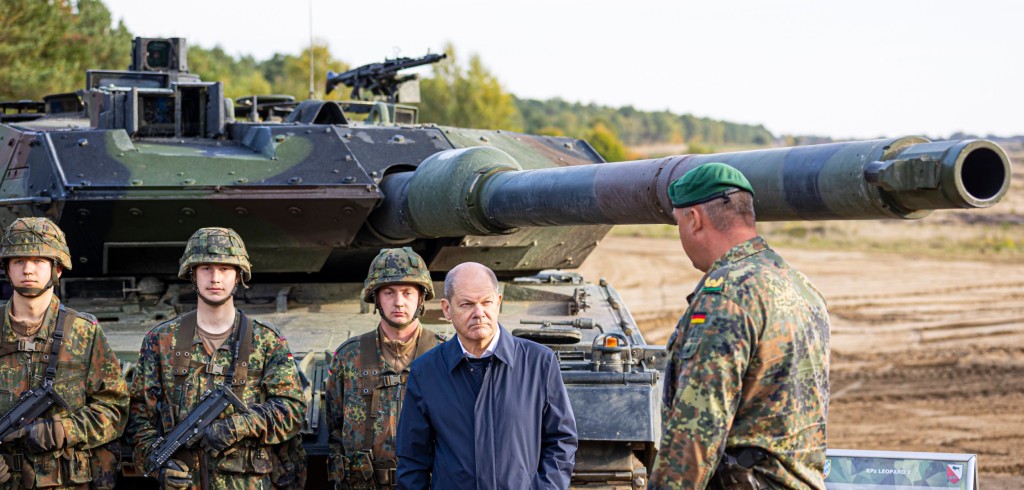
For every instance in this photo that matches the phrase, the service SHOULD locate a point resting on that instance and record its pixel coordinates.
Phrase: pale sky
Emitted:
(857, 69)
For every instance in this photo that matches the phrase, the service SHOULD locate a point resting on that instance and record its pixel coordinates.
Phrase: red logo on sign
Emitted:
(954, 472)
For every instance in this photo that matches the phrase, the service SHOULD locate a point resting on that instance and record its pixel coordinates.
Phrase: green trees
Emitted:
(240, 76)
(281, 74)
(45, 47)
(464, 97)
(606, 143)
(289, 74)
(636, 127)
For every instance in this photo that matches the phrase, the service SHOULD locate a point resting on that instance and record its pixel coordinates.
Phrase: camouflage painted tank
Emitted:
(136, 162)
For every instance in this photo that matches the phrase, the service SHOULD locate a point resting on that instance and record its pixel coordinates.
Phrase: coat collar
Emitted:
(739, 252)
(504, 351)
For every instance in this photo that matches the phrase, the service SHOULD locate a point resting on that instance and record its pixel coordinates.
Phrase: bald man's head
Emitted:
(468, 272)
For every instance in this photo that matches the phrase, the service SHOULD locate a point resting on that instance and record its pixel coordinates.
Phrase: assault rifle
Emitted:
(31, 405)
(211, 405)
(379, 78)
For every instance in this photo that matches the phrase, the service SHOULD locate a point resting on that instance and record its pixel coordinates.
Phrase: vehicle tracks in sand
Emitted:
(927, 354)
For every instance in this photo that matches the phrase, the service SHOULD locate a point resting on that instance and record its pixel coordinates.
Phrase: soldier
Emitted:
(746, 390)
(182, 358)
(44, 343)
(368, 372)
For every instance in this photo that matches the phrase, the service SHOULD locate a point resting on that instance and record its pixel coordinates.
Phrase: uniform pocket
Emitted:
(79, 468)
(260, 461)
(46, 467)
(692, 341)
(690, 348)
(233, 462)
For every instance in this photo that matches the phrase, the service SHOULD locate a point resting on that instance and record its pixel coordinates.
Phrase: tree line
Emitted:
(636, 127)
(45, 47)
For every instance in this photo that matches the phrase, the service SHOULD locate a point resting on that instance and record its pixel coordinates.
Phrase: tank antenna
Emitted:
(312, 94)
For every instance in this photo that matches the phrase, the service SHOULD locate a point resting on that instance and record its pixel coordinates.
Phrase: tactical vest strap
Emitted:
(181, 355)
(51, 348)
(26, 346)
(368, 371)
(370, 380)
(427, 341)
(53, 345)
(21, 346)
(213, 368)
(56, 341)
(236, 374)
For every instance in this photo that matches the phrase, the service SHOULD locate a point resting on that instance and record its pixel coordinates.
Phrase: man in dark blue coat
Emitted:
(488, 411)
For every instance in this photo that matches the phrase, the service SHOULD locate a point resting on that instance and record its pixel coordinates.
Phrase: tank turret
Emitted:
(147, 156)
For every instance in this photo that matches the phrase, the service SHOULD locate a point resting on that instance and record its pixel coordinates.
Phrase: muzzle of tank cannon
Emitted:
(484, 191)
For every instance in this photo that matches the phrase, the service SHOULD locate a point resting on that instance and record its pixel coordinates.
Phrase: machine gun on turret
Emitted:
(382, 79)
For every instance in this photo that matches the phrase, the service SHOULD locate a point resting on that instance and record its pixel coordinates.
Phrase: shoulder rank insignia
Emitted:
(713, 284)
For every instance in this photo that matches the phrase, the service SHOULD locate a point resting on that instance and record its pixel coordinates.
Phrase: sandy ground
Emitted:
(927, 353)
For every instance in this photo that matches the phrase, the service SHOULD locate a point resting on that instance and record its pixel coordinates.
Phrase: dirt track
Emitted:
(927, 353)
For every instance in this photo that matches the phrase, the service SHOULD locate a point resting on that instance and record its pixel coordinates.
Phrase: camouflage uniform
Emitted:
(362, 444)
(272, 388)
(748, 368)
(273, 393)
(88, 378)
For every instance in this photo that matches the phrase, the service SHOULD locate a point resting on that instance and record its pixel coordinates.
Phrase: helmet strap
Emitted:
(35, 292)
(206, 300)
(31, 292)
(398, 326)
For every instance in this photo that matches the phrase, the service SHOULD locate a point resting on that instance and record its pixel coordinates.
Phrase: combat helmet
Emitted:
(397, 266)
(35, 237)
(215, 246)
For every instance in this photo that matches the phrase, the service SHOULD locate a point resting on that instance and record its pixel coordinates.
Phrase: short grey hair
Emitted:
(452, 276)
(736, 209)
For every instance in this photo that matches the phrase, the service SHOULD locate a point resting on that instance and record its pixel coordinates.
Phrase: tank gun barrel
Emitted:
(483, 191)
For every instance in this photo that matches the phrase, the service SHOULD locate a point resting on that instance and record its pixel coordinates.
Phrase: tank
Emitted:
(139, 159)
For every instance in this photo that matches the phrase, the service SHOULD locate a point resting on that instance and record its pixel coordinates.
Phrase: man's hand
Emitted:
(175, 474)
(220, 436)
(40, 436)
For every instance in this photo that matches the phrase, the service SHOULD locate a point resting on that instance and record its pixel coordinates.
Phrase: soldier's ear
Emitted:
(697, 218)
(59, 269)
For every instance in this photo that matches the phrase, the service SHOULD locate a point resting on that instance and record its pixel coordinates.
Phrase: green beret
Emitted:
(706, 182)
